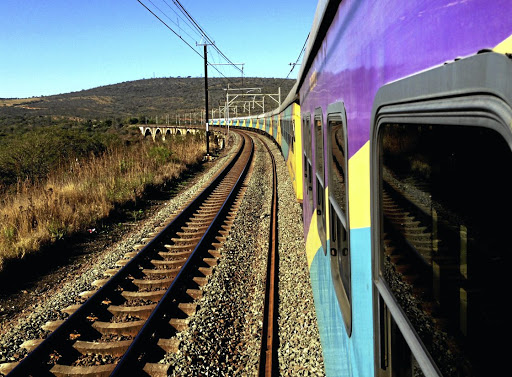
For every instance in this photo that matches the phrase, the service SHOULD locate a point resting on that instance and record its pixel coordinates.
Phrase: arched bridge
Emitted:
(162, 131)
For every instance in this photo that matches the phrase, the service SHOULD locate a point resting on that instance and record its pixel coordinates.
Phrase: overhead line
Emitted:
(204, 33)
(294, 64)
(177, 15)
(189, 45)
(301, 52)
(185, 12)
(170, 28)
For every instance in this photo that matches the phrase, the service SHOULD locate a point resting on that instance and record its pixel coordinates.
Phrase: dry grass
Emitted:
(18, 101)
(80, 195)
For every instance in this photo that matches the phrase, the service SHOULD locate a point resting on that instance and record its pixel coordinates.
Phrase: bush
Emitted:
(75, 197)
(34, 154)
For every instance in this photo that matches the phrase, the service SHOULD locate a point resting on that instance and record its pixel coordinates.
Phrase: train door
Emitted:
(441, 157)
(307, 165)
(339, 247)
(320, 176)
(275, 124)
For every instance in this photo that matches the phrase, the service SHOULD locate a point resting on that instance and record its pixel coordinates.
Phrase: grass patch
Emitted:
(78, 195)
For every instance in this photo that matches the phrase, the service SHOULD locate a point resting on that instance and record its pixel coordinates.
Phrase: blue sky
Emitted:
(56, 46)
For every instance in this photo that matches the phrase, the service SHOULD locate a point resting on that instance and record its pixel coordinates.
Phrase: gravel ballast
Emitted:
(224, 336)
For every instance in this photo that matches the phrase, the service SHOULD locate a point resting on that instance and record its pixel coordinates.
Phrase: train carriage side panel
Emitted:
(418, 123)
(279, 129)
(295, 156)
(353, 59)
(285, 143)
(275, 126)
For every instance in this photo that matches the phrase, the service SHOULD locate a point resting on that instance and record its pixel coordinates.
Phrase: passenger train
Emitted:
(397, 136)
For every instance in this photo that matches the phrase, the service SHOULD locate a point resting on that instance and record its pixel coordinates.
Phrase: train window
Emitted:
(440, 249)
(320, 177)
(442, 213)
(338, 216)
(292, 135)
(319, 145)
(308, 171)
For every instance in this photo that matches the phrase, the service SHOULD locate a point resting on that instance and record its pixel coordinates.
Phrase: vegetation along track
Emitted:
(132, 317)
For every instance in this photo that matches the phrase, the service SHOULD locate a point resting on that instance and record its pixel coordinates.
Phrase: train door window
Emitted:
(338, 213)
(440, 176)
(308, 170)
(320, 177)
(292, 135)
(287, 125)
(283, 129)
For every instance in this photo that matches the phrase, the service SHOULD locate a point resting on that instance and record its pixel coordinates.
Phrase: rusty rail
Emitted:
(268, 365)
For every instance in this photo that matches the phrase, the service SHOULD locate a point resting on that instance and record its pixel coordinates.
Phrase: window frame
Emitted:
(307, 139)
(457, 94)
(336, 112)
(319, 177)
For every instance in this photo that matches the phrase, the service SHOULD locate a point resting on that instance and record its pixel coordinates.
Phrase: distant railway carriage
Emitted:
(397, 137)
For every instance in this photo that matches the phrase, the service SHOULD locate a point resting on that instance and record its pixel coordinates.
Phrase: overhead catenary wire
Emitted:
(177, 24)
(204, 35)
(298, 57)
(170, 28)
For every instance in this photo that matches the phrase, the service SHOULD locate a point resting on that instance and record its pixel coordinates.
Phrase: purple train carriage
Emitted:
(397, 136)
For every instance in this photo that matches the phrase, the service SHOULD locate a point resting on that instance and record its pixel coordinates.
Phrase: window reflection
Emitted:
(445, 200)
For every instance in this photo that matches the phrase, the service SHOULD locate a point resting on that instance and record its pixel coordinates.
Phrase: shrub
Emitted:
(76, 196)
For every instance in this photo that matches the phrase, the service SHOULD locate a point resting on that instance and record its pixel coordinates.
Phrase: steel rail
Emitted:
(268, 365)
(133, 359)
(34, 362)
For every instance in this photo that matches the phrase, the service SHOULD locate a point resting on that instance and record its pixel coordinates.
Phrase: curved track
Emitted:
(132, 317)
(268, 357)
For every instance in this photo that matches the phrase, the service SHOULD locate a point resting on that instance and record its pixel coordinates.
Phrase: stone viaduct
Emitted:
(162, 131)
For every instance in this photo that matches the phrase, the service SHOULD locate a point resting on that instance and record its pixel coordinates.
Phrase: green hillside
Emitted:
(129, 102)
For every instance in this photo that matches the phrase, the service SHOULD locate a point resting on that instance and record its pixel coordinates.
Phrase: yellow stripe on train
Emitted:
(505, 46)
(359, 188)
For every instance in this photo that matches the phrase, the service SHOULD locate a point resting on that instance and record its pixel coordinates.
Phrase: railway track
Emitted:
(131, 319)
(268, 365)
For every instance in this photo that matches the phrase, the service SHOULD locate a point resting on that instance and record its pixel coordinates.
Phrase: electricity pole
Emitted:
(206, 97)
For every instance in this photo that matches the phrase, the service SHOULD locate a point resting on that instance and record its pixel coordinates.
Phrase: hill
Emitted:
(132, 100)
